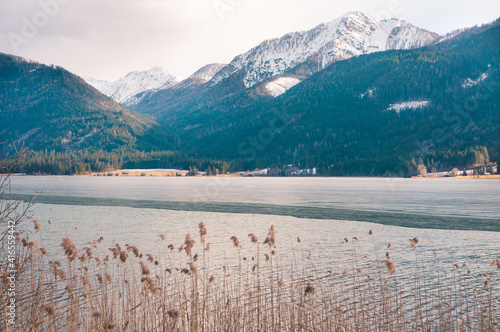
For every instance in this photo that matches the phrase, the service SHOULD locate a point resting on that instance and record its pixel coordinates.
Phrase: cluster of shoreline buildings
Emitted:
(290, 170)
(488, 169)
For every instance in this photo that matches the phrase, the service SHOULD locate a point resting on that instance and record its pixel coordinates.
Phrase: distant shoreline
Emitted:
(151, 173)
(469, 177)
(183, 173)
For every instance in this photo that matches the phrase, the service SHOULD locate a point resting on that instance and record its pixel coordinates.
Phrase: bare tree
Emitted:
(422, 169)
(13, 212)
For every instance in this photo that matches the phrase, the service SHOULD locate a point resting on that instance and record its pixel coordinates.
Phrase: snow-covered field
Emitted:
(281, 85)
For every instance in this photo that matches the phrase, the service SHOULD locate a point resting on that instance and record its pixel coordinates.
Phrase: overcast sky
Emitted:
(106, 39)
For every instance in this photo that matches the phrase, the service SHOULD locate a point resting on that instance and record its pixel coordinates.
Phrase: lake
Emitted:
(458, 218)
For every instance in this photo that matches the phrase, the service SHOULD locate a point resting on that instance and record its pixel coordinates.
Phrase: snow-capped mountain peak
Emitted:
(352, 34)
(124, 89)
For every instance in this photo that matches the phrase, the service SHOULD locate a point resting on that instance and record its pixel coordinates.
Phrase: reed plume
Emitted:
(309, 288)
(123, 256)
(253, 238)
(391, 268)
(189, 244)
(69, 249)
(270, 240)
(148, 284)
(36, 225)
(192, 268)
(236, 242)
(203, 231)
(144, 269)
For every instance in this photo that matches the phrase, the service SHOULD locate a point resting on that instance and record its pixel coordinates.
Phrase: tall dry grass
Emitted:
(95, 288)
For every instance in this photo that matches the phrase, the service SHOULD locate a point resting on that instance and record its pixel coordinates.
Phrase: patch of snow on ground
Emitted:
(281, 85)
(368, 92)
(451, 35)
(398, 107)
(468, 83)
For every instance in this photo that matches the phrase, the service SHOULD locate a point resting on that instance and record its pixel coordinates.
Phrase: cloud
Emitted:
(107, 39)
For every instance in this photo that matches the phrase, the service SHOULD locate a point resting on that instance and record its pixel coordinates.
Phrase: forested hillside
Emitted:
(53, 112)
(341, 119)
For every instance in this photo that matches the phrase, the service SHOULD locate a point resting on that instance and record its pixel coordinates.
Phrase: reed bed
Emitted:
(259, 288)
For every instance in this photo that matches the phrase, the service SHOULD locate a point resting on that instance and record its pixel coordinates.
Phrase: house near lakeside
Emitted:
(487, 169)
(255, 172)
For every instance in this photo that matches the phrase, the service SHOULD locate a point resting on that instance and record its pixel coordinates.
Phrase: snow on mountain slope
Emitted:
(206, 73)
(368, 93)
(198, 79)
(398, 107)
(350, 35)
(451, 35)
(281, 85)
(469, 82)
(124, 89)
(201, 76)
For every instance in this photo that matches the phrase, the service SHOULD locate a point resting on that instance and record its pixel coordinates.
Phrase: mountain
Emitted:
(298, 55)
(202, 75)
(379, 113)
(375, 114)
(352, 34)
(124, 89)
(179, 96)
(46, 108)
